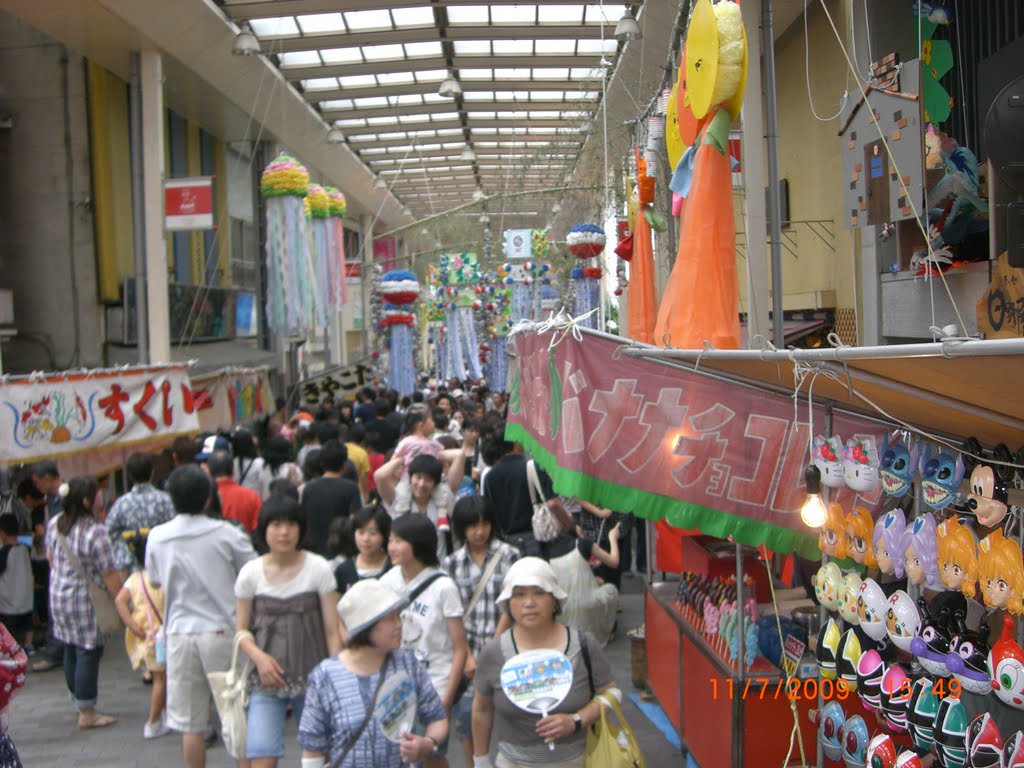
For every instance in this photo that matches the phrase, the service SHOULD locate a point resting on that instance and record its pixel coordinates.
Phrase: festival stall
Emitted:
(726, 450)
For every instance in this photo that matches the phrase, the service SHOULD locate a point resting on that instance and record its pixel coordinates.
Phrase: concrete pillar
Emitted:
(755, 218)
(151, 86)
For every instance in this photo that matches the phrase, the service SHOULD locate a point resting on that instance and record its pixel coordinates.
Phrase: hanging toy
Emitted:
(1001, 572)
(931, 645)
(922, 709)
(898, 466)
(854, 738)
(284, 184)
(902, 621)
(941, 476)
(860, 464)
(984, 743)
(950, 732)
(968, 657)
(859, 532)
(400, 291)
(920, 554)
(887, 541)
(832, 537)
(957, 550)
(827, 457)
(586, 242)
(1005, 666)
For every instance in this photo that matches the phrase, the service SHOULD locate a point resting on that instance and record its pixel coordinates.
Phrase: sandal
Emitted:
(100, 721)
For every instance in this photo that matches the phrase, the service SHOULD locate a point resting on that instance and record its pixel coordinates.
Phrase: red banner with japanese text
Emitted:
(699, 451)
(61, 415)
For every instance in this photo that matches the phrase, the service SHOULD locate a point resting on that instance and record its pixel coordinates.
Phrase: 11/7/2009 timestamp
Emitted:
(794, 689)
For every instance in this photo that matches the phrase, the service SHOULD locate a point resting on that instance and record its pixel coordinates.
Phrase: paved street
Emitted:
(43, 721)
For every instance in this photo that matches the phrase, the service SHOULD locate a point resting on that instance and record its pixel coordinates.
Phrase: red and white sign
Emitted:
(188, 203)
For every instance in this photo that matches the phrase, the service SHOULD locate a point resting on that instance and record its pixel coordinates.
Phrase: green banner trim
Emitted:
(654, 506)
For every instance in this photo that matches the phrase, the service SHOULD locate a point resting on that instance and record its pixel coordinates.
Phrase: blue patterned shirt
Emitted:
(142, 507)
(336, 704)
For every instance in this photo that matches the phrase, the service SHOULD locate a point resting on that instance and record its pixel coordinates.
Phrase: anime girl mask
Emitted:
(902, 621)
(887, 541)
(921, 711)
(847, 655)
(950, 730)
(958, 556)
(881, 752)
(828, 582)
(859, 531)
(870, 671)
(832, 536)
(920, 551)
(1013, 751)
(1006, 667)
(968, 658)
(860, 464)
(941, 476)
(854, 738)
(1001, 572)
(988, 496)
(830, 725)
(848, 598)
(984, 743)
(895, 698)
(827, 457)
(932, 642)
(898, 466)
(872, 607)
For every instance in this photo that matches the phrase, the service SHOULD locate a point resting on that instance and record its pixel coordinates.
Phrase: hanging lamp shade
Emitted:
(335, 135)
(468, 155)
(380, 183)
(245, 43)
(450, 88)
(627, 28)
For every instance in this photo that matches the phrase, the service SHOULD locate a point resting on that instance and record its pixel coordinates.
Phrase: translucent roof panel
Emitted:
(363, 20)
(321, 23)
(278, 27)
(468, 14)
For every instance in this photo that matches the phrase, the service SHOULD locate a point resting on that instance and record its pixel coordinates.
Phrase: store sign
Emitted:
(338, 382)
(793, 652)
(518, 243)
(681, 445)
(232, 396)
(188, 203)
(1000, 311)
(67, 415)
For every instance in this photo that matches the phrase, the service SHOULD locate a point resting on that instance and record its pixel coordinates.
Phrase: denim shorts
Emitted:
(265, 731)
(462, 715)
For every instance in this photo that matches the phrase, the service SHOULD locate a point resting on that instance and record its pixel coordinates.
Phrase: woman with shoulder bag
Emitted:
(81, 557)
(532, 597)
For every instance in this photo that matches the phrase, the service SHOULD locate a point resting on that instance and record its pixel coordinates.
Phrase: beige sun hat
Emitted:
(365, 603)
(530, 572)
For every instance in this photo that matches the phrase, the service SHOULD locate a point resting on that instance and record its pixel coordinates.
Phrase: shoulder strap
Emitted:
(585, 651)
(369, 711)
(422, 586)
(533, 483)
(75, 563)
(145, 591)
(492, 563)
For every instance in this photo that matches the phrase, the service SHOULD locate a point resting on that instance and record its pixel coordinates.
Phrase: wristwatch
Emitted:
(577, 722)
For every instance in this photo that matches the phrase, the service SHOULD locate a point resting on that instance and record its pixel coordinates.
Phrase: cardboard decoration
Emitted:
(395, 709)
(1000, 310)
(674, 143)
(689, 125)
(701, 58)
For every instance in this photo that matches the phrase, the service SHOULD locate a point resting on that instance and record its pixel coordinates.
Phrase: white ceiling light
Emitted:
(406, 211)
(450, 88)
(586, 127)
(335, 135)
(556, 207)
(478, 194)
(627, 28)
(245, 43)
(485, 219)
(380, 183)
(468, 155)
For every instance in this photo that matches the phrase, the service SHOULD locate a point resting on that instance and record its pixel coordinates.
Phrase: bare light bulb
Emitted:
(813, 512)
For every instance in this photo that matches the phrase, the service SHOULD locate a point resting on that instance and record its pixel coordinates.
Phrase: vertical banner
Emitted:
(385, 252)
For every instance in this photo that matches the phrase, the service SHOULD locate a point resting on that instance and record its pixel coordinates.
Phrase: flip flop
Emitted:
(101, 721)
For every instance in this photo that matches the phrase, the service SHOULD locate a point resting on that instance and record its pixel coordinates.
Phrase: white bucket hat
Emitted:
(365, 603)
(530, 572)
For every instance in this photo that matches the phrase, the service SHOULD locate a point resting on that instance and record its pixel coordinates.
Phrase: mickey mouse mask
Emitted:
(988, 497)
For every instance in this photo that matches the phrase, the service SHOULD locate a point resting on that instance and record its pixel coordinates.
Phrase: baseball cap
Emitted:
(210, 445)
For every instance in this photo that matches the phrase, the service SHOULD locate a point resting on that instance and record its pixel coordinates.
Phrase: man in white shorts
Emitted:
(196, 559)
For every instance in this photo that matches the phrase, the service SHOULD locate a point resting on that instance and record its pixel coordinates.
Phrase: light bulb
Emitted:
(813, 512)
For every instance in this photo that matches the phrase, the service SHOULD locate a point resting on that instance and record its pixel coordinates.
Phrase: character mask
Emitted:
(968, 658)
(828, 582)
(941, 476)
(828, 647)
(902, 621)
(1001, 572)
(895, 698)
(847, 655)
(988, 496)
(881, 752)
(921, 711)
(830, 724)
(848, 598)
(872, 607)
(859, 530)
(932, 642)
(832, 537)
(950, 731)
(920, 555)
(984, 743)
(854, 738)
(860, 464)
(1013, 751)
(908, 760)
(898, 466)
(887, 540)
(827, 457)
(1006, 667)
(958, 556)
(870, 670)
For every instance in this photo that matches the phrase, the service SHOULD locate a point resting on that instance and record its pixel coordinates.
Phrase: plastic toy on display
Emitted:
(984, 743)
(941, 475)
(931, 646)
(1006, 667)
(919, 552)
(988, 498)
(827, 649)
(859, 530)
(848, 598)
(881, 752)
(860, 464)
(870, 671)
(921, 711)
(832, 537)
(1013, 751)
(950, 732)
(1001, 572)
(908, 760)
(895, 697)
(830, 725)
(872, 606)
(958, 556)
(898, 467)
(827, 457)
(854, 738)
(968, 657)
(902, 621)
(887, 541)
(847, 656)
(828, 583)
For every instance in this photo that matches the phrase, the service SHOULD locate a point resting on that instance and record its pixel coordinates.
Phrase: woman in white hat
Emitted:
(338, 725)
(532, 597)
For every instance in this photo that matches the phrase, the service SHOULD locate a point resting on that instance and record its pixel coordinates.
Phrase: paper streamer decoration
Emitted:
(338, 291)
(497, 365)
(284, 185)
(318, 210)
(400, 291)
(586, 242)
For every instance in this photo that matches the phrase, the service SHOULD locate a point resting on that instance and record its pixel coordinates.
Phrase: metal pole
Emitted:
(138, 212)
(774, 204)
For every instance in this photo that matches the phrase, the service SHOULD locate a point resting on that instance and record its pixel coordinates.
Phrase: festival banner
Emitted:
(342, 381)
(696, 450)
(231, 396)
(62, 415)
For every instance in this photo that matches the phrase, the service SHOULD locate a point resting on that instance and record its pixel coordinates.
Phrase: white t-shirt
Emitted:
(16, 582)
(425, 622)
(315, 576)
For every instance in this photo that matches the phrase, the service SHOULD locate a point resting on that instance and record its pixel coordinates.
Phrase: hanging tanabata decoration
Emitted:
(399, 292)
(337, 293)
(290, 301)
(458, 276)
(701, 302)
(318, 210)
(586, 243)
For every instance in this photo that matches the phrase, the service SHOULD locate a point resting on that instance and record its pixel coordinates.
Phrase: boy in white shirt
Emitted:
(15, 583)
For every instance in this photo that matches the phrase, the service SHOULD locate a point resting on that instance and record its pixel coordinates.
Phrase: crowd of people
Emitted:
(343, 545)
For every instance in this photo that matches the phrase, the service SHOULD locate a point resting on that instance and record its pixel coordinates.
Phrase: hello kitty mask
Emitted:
(828, 453)
(861, 464)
